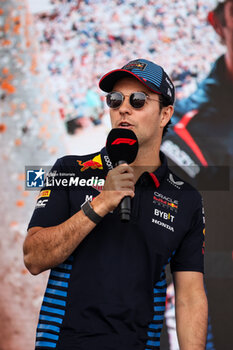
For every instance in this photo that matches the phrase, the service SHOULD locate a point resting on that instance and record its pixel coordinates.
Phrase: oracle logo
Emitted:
(166, 198)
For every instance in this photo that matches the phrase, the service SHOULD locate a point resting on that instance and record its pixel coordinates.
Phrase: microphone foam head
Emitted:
(122, 144)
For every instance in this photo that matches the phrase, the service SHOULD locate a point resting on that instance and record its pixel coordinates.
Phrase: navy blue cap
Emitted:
(148, 73)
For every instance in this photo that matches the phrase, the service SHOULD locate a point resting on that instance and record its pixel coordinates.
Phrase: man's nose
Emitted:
(125, 107)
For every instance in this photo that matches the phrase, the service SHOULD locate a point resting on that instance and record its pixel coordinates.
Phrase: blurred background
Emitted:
(52, 54)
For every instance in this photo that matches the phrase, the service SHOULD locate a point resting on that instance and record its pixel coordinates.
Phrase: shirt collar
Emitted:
(157, 176)
(160, 173)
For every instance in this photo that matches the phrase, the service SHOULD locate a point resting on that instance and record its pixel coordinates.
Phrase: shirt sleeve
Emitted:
(190, 254)
(52, 206)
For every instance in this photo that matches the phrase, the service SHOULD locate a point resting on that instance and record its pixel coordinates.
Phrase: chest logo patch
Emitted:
(95, 163)
(165, 216)
(175, 183)
(163, 224)
(165, 202)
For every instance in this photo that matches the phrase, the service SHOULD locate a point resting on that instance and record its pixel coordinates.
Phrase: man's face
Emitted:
(146, 122)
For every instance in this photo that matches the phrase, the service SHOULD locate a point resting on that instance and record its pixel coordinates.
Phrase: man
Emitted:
(200, 145)
(107, 286)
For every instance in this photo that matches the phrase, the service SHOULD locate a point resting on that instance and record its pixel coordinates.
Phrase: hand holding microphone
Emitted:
(122, 148)
(119, 184)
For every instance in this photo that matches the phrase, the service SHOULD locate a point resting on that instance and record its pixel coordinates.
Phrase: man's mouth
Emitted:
(125, 125)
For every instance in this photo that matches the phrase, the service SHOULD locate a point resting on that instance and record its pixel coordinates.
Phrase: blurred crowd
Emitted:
(82, 40)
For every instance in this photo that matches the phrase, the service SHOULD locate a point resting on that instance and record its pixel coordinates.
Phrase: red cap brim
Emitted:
(107, 82)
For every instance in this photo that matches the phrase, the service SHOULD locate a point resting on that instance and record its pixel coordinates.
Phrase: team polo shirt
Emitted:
(110, 293)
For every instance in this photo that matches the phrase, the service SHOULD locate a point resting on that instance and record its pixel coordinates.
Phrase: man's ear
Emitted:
(217, 26)
(166, 115)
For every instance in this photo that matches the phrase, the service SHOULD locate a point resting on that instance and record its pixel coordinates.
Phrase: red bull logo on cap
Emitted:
(135, 65)
(95, 163)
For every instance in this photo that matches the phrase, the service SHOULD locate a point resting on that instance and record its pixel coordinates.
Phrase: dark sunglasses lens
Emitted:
(137, 99)
(114, 99)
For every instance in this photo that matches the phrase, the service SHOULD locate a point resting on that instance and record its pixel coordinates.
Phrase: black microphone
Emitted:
(122, 147)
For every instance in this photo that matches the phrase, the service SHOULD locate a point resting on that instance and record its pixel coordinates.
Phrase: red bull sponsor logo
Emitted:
(165, 202)
(172, 205)
(95, 163)
(135, 65)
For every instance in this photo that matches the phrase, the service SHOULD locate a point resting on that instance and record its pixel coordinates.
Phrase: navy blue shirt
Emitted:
(110, 294)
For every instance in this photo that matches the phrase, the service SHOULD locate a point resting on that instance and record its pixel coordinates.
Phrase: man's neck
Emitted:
(147, 160)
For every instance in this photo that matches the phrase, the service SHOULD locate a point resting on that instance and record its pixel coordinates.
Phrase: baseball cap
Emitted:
(148, 73)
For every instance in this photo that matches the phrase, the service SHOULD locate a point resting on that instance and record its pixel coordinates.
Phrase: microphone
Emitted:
(122, 147)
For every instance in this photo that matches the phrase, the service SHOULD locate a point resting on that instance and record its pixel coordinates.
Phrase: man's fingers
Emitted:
(130, 194)
(124, 177)
(123, 168)
(119, 183)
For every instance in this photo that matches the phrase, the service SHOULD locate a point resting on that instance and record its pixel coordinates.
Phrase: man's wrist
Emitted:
(99, 205)
(90, 213)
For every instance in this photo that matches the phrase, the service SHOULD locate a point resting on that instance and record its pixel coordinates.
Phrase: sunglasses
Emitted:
(137, 99)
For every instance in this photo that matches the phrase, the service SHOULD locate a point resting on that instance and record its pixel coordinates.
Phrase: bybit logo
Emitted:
(164, 215)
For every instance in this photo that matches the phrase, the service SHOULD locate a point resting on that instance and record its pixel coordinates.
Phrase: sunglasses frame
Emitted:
(130, 98)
